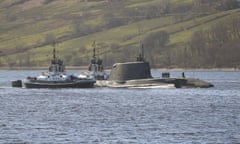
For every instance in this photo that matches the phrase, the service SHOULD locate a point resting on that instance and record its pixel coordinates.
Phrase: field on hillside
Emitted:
(29, 28)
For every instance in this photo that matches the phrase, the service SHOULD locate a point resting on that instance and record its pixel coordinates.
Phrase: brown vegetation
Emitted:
(216, 46)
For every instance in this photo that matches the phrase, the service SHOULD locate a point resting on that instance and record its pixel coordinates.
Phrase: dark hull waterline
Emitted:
(61, 84)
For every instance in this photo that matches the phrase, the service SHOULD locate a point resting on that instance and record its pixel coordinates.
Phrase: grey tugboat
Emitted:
(56, 77)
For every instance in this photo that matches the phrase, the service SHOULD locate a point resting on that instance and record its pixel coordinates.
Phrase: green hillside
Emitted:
(166, 27)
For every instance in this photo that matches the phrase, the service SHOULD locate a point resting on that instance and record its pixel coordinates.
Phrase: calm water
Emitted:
(122, 116)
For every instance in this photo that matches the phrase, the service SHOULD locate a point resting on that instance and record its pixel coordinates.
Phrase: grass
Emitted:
(30, 28)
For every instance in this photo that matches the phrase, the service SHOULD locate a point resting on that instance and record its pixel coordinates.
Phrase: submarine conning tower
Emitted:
(130, 71)
(140, 69)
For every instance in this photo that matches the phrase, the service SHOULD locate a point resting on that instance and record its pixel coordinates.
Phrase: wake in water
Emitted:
(167, 86)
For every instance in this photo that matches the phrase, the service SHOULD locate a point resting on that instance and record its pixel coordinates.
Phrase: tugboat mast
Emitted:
(140, 56)
(96, 66)
(54, 51)
(56, 65)
(94, 50)
(54, 54)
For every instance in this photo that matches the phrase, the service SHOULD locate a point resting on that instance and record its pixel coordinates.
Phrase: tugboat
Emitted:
(137, 74)
(56, 78)
(96, 68)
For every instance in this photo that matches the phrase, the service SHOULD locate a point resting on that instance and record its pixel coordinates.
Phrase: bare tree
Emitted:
(157, 40)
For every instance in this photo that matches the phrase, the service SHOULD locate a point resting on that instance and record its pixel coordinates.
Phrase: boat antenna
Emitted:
(140, 56)
(142, 51)
(54, 50)
(94, 49)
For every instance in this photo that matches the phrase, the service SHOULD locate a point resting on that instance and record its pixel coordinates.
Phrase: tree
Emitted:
(165, 6)
(198, 43)
(49, 39)
(228, 4)
(217, 46)
(157, 40)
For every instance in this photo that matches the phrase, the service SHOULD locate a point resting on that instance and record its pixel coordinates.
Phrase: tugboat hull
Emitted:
(59, 84)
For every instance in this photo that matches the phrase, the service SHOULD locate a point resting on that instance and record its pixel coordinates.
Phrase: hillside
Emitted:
(168, 29)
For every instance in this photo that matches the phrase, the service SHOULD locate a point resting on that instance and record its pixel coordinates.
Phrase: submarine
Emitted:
(137, 74)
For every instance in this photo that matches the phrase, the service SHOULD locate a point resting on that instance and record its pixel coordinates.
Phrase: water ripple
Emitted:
(134, 116)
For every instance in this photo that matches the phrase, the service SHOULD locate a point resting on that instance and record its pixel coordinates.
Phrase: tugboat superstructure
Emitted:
(55, 77)
(96, 68)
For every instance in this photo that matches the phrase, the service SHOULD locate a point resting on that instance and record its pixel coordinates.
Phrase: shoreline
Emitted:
(196, 69)
(43, 68)
(158, 69)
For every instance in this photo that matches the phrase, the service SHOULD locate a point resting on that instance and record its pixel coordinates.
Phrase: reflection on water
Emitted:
(104, 115)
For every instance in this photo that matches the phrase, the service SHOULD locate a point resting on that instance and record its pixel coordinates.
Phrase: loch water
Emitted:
(122, 116)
